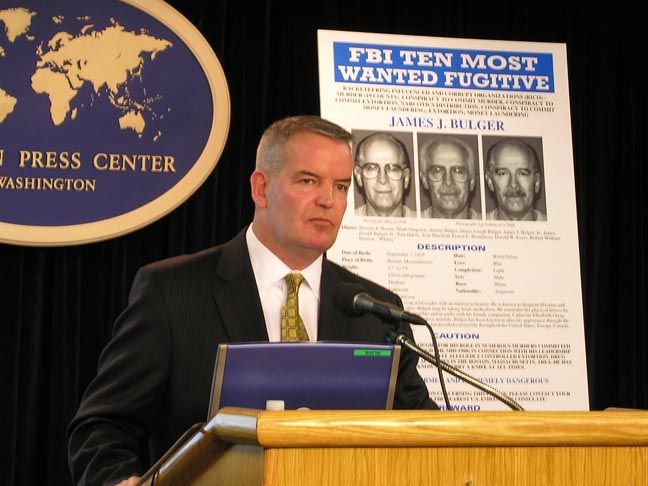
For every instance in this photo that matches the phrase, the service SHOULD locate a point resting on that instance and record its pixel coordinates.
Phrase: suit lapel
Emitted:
(332, 325)
(235, 294)
(336, 326)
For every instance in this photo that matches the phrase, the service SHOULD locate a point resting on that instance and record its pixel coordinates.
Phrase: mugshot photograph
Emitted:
(449, 175)
(513, 170)
(383, 174)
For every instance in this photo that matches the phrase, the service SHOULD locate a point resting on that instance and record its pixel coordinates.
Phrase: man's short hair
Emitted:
(269, 156)
(387, 137)
(495, 150)
(428, 148)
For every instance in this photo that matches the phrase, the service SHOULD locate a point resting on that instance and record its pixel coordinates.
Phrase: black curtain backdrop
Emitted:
(58, 305)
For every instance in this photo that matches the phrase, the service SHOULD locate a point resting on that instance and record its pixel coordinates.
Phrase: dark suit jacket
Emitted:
(154, 377)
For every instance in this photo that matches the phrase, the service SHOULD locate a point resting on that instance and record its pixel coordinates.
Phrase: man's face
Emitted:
(380, 163)
(448, 181)
(514, 181)
(304, 203)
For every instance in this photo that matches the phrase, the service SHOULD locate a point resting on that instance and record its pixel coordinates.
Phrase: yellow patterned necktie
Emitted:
(292, 326)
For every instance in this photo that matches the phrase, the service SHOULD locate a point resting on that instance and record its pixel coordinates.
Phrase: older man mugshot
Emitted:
(382, 173)
(447, 171)
(513, 175)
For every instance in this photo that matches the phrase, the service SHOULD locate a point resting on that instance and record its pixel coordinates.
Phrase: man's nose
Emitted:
(325, 196)
(382, 175)
(513, 181)
(447, 178)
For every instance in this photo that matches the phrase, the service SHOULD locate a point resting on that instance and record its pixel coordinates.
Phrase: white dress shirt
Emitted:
(269, 272)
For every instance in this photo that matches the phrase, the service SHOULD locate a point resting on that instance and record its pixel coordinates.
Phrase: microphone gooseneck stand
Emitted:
(353, 300)
(402, 339)
(437, 356)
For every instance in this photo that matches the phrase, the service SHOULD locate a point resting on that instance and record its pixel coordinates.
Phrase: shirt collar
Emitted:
(269, 269)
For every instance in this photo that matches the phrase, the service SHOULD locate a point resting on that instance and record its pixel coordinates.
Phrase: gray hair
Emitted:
(524, 147)
(387, 137)
(425, 154)
(269, 156)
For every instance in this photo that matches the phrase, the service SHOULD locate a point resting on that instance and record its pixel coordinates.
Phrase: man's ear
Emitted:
(259, 185)
(489, 182)
(471, 186)
(536, 184)
(424, 181)
(357, 172)
(406, 178)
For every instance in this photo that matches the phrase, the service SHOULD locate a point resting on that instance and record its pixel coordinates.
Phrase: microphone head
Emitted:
(344, 297)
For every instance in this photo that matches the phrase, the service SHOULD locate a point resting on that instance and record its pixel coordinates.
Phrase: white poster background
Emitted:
(504, 297)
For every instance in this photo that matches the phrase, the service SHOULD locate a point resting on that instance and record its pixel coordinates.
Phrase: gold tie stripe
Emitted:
(292, 326)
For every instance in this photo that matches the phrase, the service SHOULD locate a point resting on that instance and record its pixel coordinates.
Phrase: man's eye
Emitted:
(342, 187)
(501, 172)
(524, 172)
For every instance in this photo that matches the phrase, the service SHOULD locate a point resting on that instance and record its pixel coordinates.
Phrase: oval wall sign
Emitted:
(112, 113)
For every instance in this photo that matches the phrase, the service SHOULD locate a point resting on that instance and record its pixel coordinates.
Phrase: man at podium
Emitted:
(270, 282)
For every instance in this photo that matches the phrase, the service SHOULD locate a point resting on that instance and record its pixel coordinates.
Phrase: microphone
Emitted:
(353, 300)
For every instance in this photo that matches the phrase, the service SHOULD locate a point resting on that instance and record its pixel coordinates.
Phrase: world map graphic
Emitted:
(112, 112)
(110, 61)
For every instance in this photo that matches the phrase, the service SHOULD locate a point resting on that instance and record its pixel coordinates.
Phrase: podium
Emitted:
(296, 448)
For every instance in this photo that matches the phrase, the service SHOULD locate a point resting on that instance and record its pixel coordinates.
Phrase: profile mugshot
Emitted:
(514, 177)
(448, 172)
(382, 175)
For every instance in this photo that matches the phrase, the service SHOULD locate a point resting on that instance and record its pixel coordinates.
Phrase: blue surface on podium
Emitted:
(316, 375)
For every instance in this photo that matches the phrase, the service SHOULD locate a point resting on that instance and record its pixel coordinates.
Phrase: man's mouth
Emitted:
(321, 221)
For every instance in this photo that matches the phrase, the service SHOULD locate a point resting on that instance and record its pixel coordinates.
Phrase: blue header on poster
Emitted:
(443, 68)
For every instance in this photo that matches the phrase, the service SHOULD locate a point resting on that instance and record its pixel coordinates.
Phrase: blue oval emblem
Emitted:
(111, 115)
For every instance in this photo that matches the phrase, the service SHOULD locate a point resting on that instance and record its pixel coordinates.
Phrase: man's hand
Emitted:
(132, 481)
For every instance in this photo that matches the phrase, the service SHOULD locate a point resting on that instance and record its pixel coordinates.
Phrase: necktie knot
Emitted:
(294, 280)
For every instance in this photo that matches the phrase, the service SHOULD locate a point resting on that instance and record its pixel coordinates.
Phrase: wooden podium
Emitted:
(305, 448)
